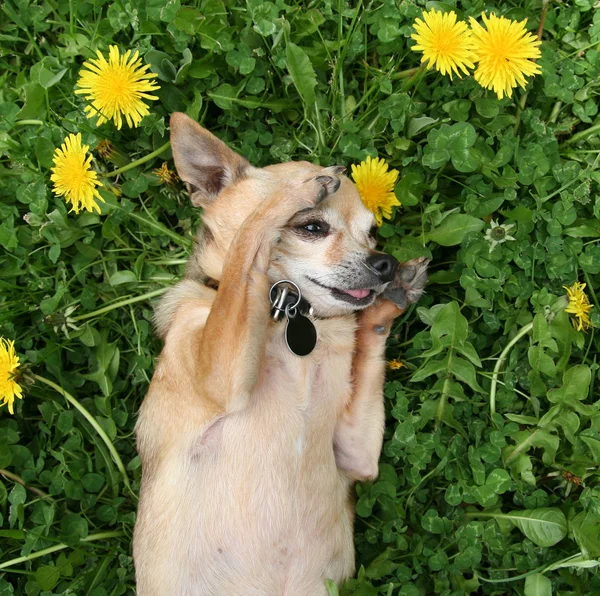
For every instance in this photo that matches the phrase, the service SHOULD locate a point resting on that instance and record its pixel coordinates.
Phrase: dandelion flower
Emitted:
(498, 234)
(63, 321)
(376, 187)
(117, 87)
(579, 306)
(105, 149)
(395, 364)
(73, 177)
(446, 44)
(504, 52)
(9, 363)
(165, 175)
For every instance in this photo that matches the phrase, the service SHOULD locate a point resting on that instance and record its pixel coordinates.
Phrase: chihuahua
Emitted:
(266, 404)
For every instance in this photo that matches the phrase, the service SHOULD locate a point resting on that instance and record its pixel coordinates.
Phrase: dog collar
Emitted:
(285, 295)
(287, 303)
(304, 306)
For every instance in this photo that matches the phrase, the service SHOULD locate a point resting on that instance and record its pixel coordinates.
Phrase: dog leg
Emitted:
(234, 337)
(359, 432)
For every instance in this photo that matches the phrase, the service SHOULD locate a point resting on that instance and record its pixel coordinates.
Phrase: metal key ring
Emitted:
(291, 283)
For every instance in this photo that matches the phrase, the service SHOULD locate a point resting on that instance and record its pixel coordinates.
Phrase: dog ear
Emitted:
(203, 162)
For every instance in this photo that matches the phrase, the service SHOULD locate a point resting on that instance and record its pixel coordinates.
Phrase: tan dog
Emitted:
(249, 452)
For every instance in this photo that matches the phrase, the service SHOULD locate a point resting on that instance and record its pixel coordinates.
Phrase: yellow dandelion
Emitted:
(73, 177)
(579, 306)
(504, 51)
(165, 175)
(117, 87)
(9, 363)
(105, 149)
(395, 364)
(376, 187)
(447, 45)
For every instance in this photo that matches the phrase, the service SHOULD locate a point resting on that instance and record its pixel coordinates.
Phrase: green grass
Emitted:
(498, 402)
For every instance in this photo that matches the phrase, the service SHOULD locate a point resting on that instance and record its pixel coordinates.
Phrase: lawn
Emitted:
(489, 477)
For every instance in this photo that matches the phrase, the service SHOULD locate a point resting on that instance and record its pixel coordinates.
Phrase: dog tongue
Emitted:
(358, 294)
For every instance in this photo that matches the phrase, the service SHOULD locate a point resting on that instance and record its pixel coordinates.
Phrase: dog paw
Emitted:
(409, 284)
(324, 184)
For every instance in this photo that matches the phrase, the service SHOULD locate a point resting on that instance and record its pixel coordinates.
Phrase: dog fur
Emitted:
(249, 452)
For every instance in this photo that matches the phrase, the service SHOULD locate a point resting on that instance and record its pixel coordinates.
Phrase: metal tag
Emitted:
(300, 334)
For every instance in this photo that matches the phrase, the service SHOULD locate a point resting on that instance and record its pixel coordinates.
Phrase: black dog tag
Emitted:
(300, 334)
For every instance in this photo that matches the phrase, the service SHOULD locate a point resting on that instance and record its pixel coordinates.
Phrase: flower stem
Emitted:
(19, 480)
(156, 226)
(29, 123)
(524, 331)
(57, 547)
(523, 102)
(584, 134)
(119, 304)
(93, 422)
(545, 7)
(591, 288)
(140, 161)
(542, 569)
(404, 74)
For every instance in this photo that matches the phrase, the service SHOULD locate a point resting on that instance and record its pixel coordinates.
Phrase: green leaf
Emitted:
(302, 72)
(450, 323)
(540, 361)
(44, 151)
(189, 19)
(544, 526)
(488, 108)
(458, 109)
(47, 576)
(73, 528)
(575, 387)
(34, 106)
(592, 439)
(432, 522)
(454, 228)
(122, 277)
(583, 231)
(415, 125)
(452, 143)
(499, 481)
(134, 187)
(575, 562)
(520, 213)
(48, 79)
(431, 367)
(331, 586)
(93, 482)
(464, 371)
(585, 529)
(538, 585)
(161, 65)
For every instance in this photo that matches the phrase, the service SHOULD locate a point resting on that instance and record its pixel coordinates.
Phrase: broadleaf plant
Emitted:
(489, 475)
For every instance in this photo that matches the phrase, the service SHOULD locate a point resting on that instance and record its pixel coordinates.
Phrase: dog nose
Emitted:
(384, 266)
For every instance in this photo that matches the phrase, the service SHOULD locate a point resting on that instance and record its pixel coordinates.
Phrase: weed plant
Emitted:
(489, 479)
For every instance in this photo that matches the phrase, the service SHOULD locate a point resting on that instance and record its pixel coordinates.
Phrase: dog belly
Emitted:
(246, 515)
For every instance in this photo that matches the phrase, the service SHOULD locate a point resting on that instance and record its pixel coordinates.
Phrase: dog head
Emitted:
(328, 251)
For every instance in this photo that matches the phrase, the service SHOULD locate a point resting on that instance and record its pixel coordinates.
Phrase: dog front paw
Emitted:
(409, 284)
(323, 185)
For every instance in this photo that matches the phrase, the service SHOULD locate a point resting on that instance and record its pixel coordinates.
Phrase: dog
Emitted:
(250, 449)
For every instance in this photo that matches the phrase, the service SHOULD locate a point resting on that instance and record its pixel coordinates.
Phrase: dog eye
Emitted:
(315, 228)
